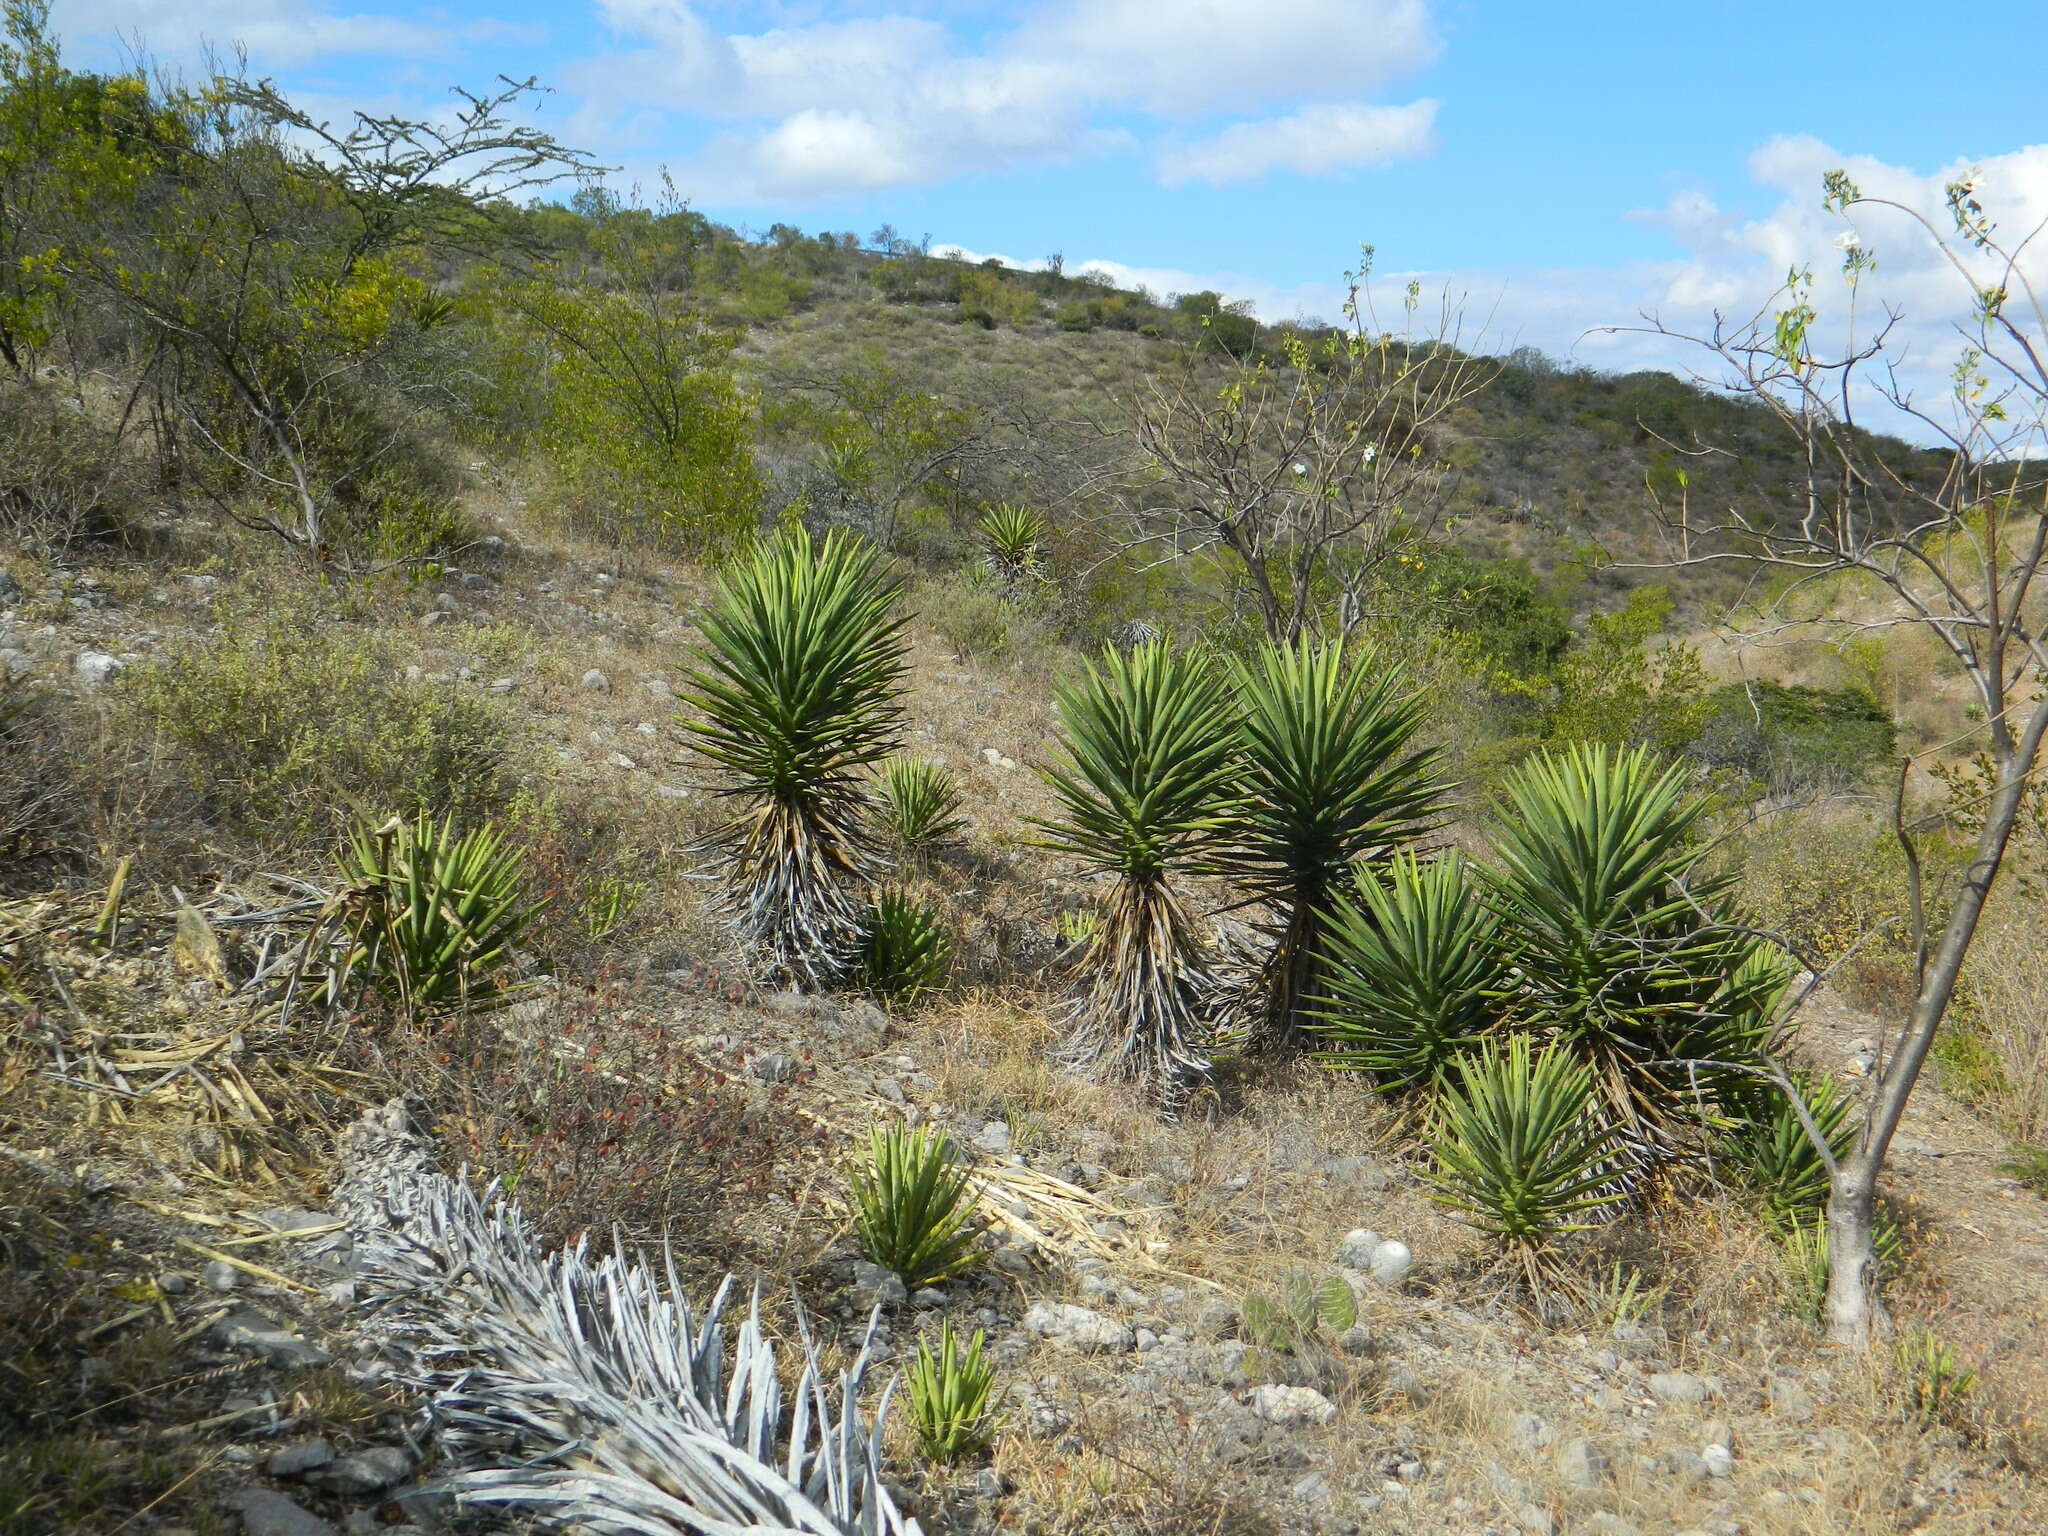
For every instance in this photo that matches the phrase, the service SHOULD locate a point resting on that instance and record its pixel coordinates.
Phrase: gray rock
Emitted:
(171, 1283)
(988, 1484)
(1790, 1399)
(596, 681)
(1581, 1463)
(928, 1296)
(774, 1067)
(292, 1219)
(1288, 1406)
(1356, 1341)
(1536, 1520)
(1355, 1252)
(95, 667)
(876, 1284)
(1530, 1433)
(365, 1472)
(1391, 1262)
(1213, 1315)
(266, 1512)
(1719, 1461)
(299, 1458)
(10, 589)
(435, 616)
(244, 1329)
(17, 662)
(994, 1138)
(1078, 1328)
(220, 1275)
(1678, 1387)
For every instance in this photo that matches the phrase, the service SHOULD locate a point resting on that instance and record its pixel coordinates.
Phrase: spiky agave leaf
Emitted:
(1414, 974)
(1766, 1143)
(906, 950)
(1330, 777)
(802, 667)
(1623, 952)
(950, 1390)
(914, 1205)
(434, 915)
(588, 1391)
(1519, 1149)
(920, 803)
(1144, 790)
(1013, 536)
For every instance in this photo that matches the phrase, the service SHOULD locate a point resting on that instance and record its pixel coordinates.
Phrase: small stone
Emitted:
(659, 687)
(502, 685)
(220, 1275)
(994, 1138)
(988, 1483)
(266, 1512)
(1530, 1433)
(1391, 1262)
(171, 1283)
(1581, 1463)
(1536, 1520)
(1355, 1341)
(1355, 1252)
(1312, 1488)
(1078, 1328)
(1719, 1460)
(1213, 1315)
(444, 602)
(10, 589)
(299, 1458)
(596, 681)
(96, 667)
(1790, 1399)
(1291, 1405)
(253, 1331)
(1678, 1387)
(365, 1472)
(620, 760)
(877, 1284)
(17, 662)
(435, 616)
(774, 1067)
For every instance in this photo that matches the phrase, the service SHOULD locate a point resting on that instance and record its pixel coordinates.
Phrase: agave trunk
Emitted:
(797, 879)
(1138, 1013)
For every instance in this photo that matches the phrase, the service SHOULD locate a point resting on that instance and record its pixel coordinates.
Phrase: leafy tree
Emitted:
(1615, 689)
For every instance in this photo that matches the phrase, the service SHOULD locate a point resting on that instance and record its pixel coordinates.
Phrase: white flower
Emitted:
(1372, 452)
(1848, 240)
(1301, 469)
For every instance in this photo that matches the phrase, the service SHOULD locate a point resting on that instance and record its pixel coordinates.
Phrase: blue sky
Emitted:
(1568, 165)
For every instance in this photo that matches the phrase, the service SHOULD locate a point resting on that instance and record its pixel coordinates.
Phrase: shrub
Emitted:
(1519, 1148)
(801, 668)
(435, 916)
(1014, 538)
(1149, 762)
(905, 951)
(1414, 972)
(1301, 1304)
(950, 1396)
(63, 479)
(914, 1206)
(1934, 1376)
(1797, 738)
(286, 724)
(1330, 775)
(920, 804)
(1625, 954)
(41, 815)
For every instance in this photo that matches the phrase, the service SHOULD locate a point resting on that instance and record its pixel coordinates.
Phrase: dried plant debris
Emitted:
(586, 1392)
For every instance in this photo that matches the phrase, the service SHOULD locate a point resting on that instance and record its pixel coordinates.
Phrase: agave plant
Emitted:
(920, 803)
(1143, 791)
(802, 666)
(1767, 1144)
(1013, 537)
(433, 916)
(1414, 972)
(1623, 952)
(1519, 1149)
(905, 951)
(1330, 777)
(914, 1205)
(951, 1390)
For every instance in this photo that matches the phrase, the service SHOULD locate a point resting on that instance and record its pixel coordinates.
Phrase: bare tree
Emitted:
(1956, 552)
(1306, 473)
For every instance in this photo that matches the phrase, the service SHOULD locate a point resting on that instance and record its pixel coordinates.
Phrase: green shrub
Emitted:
(1519, 1149)
(914, 1206)
(920, 804)
(63, 479)
(1803, 1246)
(1934, 1377)
(951, 1397)
(1414, 972)
(1301, 1304)
(1797, 738)
(287, 724)
(1624, 953)
(1768, 1147)
(905, 951)
(435, 916)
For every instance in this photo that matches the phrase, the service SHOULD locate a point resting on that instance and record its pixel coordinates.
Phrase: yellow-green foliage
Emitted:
(989, 301)
(288, 722)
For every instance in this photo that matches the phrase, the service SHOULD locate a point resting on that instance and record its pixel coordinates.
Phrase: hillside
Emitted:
(656, 882)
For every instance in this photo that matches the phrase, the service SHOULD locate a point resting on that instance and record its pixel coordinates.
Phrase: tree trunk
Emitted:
(1854, 1313)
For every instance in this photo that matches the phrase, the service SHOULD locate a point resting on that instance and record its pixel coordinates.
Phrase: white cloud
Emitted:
(1316, 141)
(897, 99)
